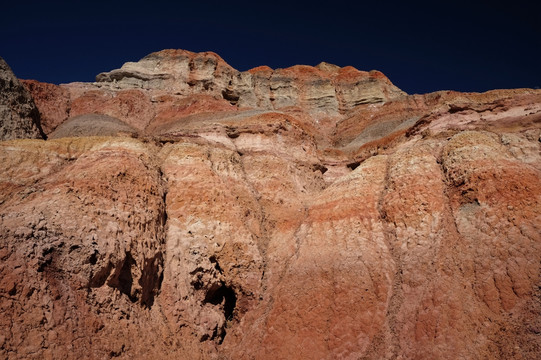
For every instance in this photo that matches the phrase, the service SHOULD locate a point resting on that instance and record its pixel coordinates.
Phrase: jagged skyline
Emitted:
(421, 47)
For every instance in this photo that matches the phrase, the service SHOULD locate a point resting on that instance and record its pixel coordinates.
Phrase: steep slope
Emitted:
(19, 117)
(404, 228)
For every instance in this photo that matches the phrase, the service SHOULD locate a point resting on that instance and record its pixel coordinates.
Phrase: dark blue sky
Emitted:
(420, 46)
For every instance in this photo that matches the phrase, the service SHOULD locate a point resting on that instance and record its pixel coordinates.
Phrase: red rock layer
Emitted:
(52, 101)
(404, 229)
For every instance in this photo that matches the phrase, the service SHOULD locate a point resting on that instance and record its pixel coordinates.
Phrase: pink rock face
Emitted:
(52, 101)
(122, 105)
(404, 227)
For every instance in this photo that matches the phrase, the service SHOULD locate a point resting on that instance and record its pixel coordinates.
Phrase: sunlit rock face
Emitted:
(184, 209)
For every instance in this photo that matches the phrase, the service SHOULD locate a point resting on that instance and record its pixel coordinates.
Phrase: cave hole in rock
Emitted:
(454, 108)
(230, 96)
(232, 134)
(223, 295)
(321, 168)
(123, 278)
(93, 258)
(354, 165)
(220, 294)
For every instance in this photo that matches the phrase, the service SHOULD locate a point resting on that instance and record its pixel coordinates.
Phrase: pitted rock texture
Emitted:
(406, 228)
(19, 117)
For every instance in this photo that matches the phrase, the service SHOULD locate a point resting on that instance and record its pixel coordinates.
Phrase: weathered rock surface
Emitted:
(324, 88)
(405, 228)
(170, 85)
(92, 125)
(19, 117)
(53, 103)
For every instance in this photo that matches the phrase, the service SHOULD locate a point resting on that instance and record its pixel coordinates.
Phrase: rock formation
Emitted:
(183, 209)
(19, 118)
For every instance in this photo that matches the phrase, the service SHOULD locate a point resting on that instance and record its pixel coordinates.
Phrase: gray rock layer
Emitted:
(19, 117)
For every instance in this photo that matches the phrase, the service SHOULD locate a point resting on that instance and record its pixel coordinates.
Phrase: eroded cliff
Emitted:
(309, 213)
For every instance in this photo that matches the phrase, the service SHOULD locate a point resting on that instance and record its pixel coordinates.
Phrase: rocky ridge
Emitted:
(229, 226)
(325, 88)
(170, 85)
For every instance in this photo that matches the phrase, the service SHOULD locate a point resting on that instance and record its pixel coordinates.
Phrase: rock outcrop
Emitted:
(325, 88)
(406, 226)
(19, 117)
(170, 85)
